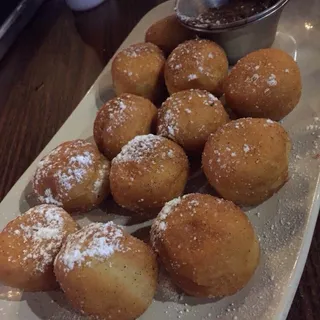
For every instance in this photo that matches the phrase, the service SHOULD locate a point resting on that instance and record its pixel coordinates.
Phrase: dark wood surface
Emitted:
(49, 69)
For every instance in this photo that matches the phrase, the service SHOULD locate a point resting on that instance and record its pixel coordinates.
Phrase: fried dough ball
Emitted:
(196, 64)
(29, 244)
(74, 176)
(120, 120)
(149, 171)
(246, 160)
(207, 245)
(168, 33)
(189, 117)
(264, 84)
(107, 273)
(139, 70)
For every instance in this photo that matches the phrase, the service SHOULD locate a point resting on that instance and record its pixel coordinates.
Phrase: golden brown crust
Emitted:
(120, 120)
(246, 160)
(74, 176)
(149, 171)
(196, 64)
(168, 33)
(29, 244)
(207, 245)
(112, 276)
(264, 84)
(139, 70)
(189, 117)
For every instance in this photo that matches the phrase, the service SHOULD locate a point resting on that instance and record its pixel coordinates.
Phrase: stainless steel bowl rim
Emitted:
(237, 24)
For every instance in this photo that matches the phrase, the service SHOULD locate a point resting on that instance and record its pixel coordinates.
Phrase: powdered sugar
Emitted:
(159, 225)
(97, 240)
(233, 152)
(122, 106)
(260, 77)
(50, 228)
(191, 51)
(98, 184)
(66, 167)
(192, 77)
(48, 198)
(116, 112)
(139, 49)
(269, 121)
(138, 148)
(42, 230)
(170, 153)
(212, 98)
(272, 80)
(246, 148)
(252, 79)
(168, 207)
(170, 125)
(84, 159)
(182, 103)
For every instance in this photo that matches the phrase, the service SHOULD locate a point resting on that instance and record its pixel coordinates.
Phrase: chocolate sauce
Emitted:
(231, 11)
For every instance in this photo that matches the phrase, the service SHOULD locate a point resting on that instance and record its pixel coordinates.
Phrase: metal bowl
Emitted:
(240, 37)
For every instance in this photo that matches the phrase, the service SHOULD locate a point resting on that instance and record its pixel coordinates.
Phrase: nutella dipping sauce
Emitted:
(226, 12)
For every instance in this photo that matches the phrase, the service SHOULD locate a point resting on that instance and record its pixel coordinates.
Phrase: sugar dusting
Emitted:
(169, 126)
(246, 148)
(96, 240)
(192, 76)
(42, 231)
(48, 198)
(183, 103)
(139, 148)
(116, 112)
(139, 50)
(191, 51)
(252, 79)
(272, 80)
(66, 166)
(159, 225)
(260, 78)
(101, 177)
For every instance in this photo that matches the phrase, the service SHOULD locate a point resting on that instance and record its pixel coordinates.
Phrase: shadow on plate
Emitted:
(110, 211)
(197, 181)
(105, 90)
(167, 291)
(27, 199)
(51, 305)
(143, 234)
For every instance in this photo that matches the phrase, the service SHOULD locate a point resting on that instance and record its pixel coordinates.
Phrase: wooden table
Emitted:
(47, 72)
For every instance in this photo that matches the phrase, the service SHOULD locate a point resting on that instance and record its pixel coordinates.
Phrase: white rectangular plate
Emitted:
(285, 223)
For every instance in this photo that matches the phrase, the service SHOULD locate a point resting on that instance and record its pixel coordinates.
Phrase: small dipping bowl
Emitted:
(237, 38)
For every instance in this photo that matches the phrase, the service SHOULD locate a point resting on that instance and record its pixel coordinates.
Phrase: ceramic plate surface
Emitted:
(285, 223)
